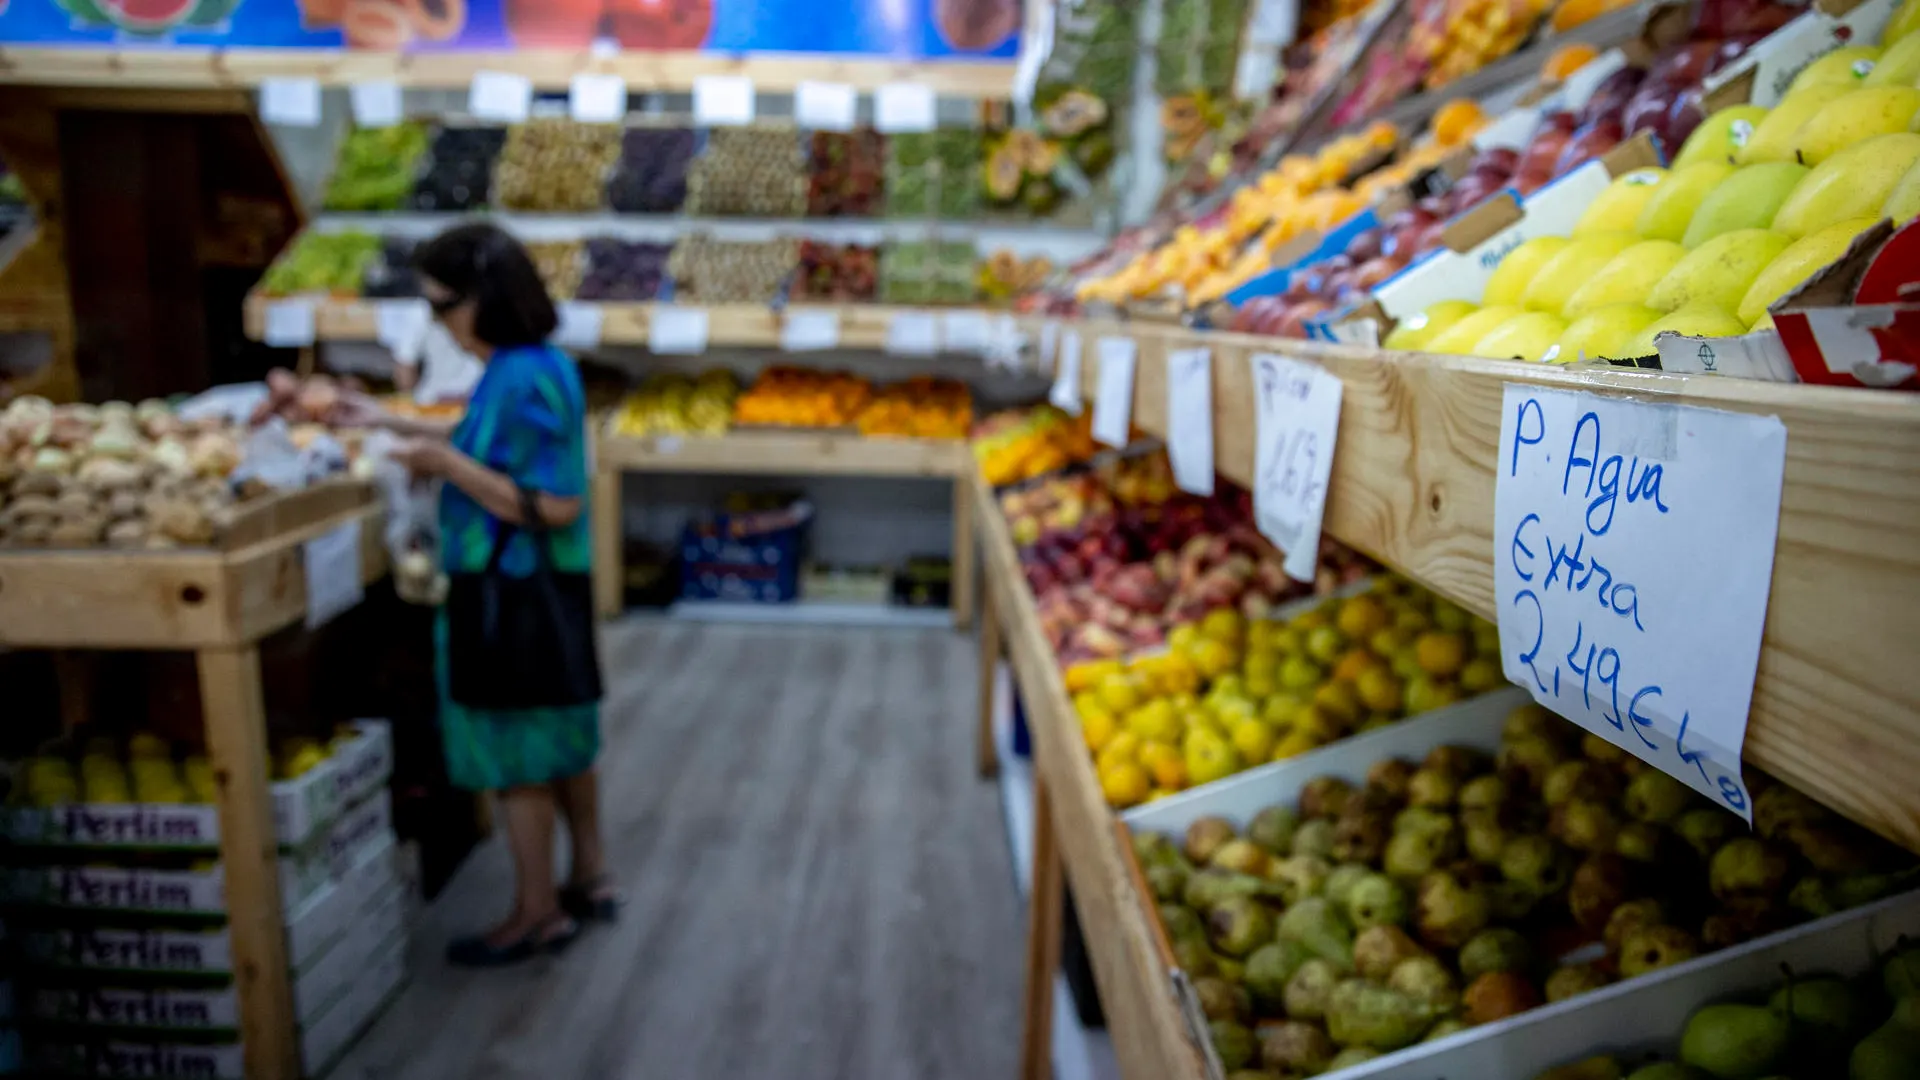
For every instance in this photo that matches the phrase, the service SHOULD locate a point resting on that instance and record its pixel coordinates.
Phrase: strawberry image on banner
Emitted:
(148, 16)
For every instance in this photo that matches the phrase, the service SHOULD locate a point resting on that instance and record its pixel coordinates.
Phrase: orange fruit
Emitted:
(1456, 121)
(1566, 60)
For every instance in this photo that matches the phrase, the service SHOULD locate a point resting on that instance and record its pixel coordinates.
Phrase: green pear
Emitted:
(1239, 925)
(1360, 1013)
(1829, 1010)
(1314, 923)
(1498, 949)
(1736, 1042)
(1181, 922)
(1268, 969)
(1376, 900)
(1221, 1000)
(1340, 882)
(1272, 828)
(1892, 1051)
(1233, 1042)
(1900, 971)
(1310, 989)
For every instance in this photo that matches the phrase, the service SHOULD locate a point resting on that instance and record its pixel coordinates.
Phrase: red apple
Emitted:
(1501, 159)
(1374, 271)
(1365, 244)
(1588, 143)
(1294, 325)
(1685, 64)
(1613, 93)
(1648, 107)
(1543, 151)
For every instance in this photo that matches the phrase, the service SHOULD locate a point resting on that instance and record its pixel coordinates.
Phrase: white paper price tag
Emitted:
(376, 104)
(965, 332)
(289, 323)
(722, 100)
(398, 324)
(677, 331)
(1190, 419)
(904, 107)
(1113, 394)
(500, 95)
(1297, 423)
(332, 563)
(597, 99)
(1273, 23)
(913, 333)
(1632, 554)
(810, 331)
(1065, 394)
(825, 106)
(292, 102)
(580, 325)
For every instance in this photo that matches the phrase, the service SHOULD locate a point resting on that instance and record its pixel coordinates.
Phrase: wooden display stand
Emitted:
(775, 453)
(218, 604)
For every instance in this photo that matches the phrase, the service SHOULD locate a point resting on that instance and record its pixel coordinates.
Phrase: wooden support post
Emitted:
(1043, 940)
(962, 586)
(609, 543)
(989, 683)
(236, 724)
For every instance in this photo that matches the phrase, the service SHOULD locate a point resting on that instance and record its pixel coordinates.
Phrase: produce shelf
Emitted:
(777, 453)
(549, 69)
(1836, 704)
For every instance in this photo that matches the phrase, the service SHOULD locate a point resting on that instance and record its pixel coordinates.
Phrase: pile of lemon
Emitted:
(1228, 694)
(147, 773)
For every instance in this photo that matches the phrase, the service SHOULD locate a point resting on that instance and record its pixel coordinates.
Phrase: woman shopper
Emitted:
(514, 647)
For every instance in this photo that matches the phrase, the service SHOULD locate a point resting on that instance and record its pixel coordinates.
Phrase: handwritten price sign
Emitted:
(1633, 551)
(1297, 422)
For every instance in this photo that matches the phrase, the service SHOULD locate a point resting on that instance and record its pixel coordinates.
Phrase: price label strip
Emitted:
(1297, 423)
(1065, 394)
(1633, 554)
(1190, 419)
(1113, 401)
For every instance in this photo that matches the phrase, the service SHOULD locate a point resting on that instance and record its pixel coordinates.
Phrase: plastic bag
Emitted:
(413, 521)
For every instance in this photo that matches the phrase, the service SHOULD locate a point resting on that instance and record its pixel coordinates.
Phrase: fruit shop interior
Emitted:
(1067, 520)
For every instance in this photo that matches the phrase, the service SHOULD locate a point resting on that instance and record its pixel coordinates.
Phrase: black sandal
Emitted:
(478, 952)
(581, 902)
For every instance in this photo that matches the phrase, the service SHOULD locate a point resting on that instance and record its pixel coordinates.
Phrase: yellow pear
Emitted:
(1556, 281)
(1722, 136)
(1526, 336)
(1459, 338)
(1718, 272)
(1601, 333)
(1618, 206)
(1796, 264)
(1849, 65)
(1856, 182)
(1904, 204)
(1772, 138)
(1855, 117)
(1416, 330)
(1700, 320)
(1906, 19)
(1746, 200)
(1674, 200)
(1627, 277)
(1509, 280)
(1899, 65)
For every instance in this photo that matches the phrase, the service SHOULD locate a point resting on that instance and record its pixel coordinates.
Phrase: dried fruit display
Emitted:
(1019, 172)
(673, 404)
(844, 174)
(555, 165)
(561, 263)
(392, 275)
(651, 175)
(624, 272)
(750, 171)
(1032, 440)
(459, 172)
(837, 272)
(917, 272)
(1199, 47)
(932, 174)
(1004, 275)
(1470, 886)
(318, 262)
(375, 168)
(707, 271)
(923, 407)
(803, 397)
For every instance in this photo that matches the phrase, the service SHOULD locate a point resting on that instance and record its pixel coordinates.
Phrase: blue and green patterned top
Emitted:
(527, 419)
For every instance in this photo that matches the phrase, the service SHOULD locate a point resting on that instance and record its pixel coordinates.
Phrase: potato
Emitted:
(28, 507)
(74, 503)
(126, 504)
(132, 533)
(108, 474)
(31, 533)
(38, 482)
(77, 532)
(179, 520)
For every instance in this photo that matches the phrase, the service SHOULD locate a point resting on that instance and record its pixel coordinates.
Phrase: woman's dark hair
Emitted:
(480, 262)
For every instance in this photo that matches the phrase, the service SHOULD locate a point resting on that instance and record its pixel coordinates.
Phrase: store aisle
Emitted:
(819, 886)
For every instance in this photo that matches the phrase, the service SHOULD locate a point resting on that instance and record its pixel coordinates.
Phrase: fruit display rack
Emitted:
(218, 604)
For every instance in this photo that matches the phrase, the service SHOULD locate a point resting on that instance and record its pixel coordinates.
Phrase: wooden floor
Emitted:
(819, 886)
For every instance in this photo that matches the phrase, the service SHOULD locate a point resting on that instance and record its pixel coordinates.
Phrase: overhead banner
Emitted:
(903, 29)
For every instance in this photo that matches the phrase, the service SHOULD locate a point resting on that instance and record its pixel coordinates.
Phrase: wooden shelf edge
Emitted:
(778, 453)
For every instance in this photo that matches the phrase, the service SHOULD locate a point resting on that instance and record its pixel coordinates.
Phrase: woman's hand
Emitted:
(356, 409)
(422, 457)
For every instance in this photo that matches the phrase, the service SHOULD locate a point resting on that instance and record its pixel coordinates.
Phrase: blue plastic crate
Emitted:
(750, 558)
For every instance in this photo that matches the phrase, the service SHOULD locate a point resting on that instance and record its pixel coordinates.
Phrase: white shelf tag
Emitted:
(901, 107)
(1632, 554)
(292, 102)
(398, 324)
(1113, 396)
(913, 333)
(825, 106)
(1065, 394)
(332, 564)
(1190, 418)
(677, 331)
(376, 104)
(289, 323)
(965, 332)
(501, 96)
(1273, 23)
(597, 99)
(810, 331)
(1297, 424)
(581, 325)
(722, 100)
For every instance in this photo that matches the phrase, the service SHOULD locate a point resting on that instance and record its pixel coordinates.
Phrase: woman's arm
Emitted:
(493, 490)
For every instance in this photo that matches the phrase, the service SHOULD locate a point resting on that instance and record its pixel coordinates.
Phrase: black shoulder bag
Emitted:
(522, 643)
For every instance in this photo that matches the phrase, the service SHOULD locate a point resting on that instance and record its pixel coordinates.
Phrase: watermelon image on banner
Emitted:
(149, 16)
